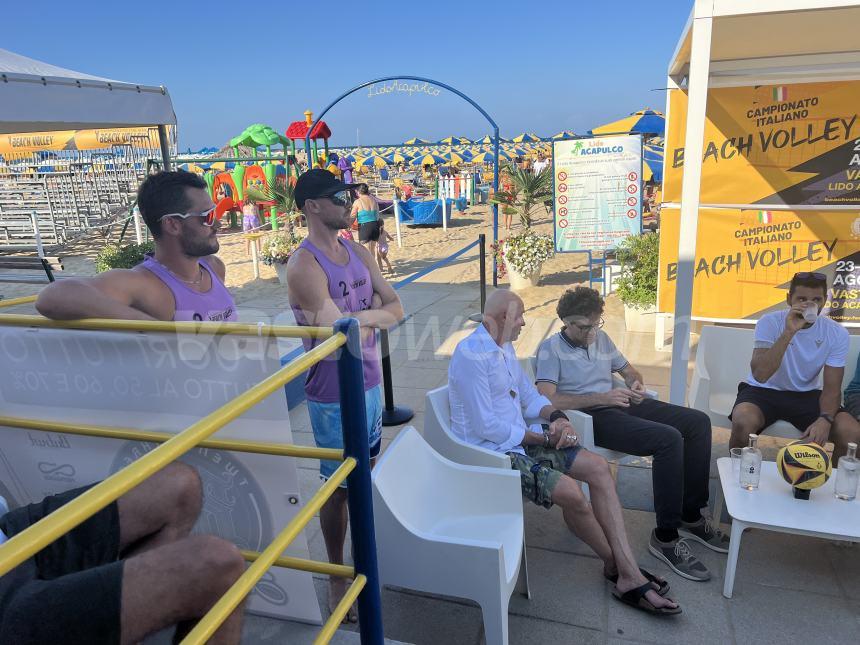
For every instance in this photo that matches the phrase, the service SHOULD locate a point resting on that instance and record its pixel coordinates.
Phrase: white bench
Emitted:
(723, 360)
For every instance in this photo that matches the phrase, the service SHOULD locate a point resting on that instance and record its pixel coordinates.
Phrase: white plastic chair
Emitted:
(447, 528)
(437, 432)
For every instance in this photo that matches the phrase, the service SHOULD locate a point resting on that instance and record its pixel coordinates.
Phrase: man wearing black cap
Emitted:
(329, 278)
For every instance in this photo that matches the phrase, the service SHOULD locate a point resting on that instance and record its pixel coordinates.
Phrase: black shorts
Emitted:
(69, 592)
(800, 409)
(369, 231)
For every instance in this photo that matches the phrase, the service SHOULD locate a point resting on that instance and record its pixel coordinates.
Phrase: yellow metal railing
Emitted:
(36, 537)
(17, 301)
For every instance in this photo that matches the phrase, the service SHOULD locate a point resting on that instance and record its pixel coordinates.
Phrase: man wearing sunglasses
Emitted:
(796, 371)
(574, 371)
(331, 278)
(183, 280)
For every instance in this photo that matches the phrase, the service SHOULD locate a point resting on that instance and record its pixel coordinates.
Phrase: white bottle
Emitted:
(751, 464)
(848, 474)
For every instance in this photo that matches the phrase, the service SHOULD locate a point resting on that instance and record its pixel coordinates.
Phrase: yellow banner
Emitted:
(27, 142)
(746, 258)
(772, 144)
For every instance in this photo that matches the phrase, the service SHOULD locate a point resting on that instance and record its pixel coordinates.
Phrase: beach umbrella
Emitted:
(454, 141)
(398, 157)
(416, 142)
(641, 122)
(514, 151)
(372, 161)
(488, 140)
(457, 157)
(525, 136)
(192, 167)
(652, 163)
(487, 157)
(565, 134)
(426, 159)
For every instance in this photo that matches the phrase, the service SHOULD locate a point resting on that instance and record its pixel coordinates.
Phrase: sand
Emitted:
(421, 248)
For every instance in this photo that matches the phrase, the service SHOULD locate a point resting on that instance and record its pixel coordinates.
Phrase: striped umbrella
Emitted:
(373, 161)
(426, 160)
(457, 157)
(454, 141)
(514, 151)
(398, 157)
(641, 122)
(652, 163)
(488, 140)
(565, 134)
(415, 141)
(487, 157)
(525, 136)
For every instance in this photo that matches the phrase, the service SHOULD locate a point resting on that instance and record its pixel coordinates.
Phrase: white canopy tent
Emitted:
(730, 43)
(39, 97)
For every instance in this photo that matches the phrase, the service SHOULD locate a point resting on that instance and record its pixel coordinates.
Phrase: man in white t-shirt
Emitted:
(795, 350)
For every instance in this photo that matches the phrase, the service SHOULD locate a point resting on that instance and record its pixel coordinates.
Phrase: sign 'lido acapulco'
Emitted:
(402, 87)
(597, 192)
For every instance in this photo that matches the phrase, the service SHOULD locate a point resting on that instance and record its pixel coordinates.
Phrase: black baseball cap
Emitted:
(318, 183)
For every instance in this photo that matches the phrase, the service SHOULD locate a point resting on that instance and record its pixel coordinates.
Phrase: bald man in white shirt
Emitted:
(490, 397)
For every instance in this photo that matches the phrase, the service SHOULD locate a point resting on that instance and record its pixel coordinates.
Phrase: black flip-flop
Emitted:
(636, 598)
(662, 585)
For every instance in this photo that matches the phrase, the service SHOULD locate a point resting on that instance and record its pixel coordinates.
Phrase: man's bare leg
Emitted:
(594, 470)
(179, 582)
(580, 519)
(160, 510)
(846, 429)
(333, 519)
(747, 419)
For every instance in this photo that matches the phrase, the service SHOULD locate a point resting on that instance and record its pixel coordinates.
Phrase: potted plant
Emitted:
(277, 250)
(523, 191)
(521, 256)
(639, 257)
(281, 195)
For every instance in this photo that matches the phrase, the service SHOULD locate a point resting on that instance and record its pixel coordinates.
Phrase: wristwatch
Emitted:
(827, 417)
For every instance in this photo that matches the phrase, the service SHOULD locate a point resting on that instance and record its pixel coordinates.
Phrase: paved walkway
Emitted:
(804, 587)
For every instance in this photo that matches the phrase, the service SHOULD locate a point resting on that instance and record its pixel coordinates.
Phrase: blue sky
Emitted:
(541, 66)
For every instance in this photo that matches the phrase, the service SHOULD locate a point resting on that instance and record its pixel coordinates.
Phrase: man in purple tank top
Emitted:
(330, 278)
(183, 280)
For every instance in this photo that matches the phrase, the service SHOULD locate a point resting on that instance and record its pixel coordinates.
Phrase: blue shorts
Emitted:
(328, 431)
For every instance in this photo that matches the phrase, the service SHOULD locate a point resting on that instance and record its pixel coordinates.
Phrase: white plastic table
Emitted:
(773, 508)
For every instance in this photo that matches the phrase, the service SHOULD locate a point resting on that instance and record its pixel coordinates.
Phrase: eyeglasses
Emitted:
(587, 328)
(341, 198)
(209, 216)
(803, 275)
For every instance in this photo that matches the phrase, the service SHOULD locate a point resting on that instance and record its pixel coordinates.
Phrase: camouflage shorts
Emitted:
(540, 469)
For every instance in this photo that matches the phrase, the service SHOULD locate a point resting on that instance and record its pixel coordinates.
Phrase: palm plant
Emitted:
(281, 195)
(526, 191)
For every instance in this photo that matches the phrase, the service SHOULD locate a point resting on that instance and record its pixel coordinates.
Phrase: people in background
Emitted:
(382, 247)
(575, 370)
(491, 398)
(366, 210)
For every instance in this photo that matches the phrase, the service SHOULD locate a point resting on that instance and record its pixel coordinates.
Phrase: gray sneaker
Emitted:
(680, 559)
(706, 533)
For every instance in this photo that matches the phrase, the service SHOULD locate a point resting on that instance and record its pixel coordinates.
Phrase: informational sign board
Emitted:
(166, 383)
(745, 260)
(772, 144)
(597, 192)
(27, 142)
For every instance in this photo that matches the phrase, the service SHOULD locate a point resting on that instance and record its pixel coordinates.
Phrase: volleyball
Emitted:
(803, 465)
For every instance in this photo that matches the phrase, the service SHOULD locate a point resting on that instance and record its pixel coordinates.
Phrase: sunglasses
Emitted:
(209, 216)
(587, 328)
(340, 198)
(803, 275)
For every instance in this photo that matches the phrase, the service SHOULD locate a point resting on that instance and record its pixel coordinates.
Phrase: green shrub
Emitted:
(128, 256)
(639, 257)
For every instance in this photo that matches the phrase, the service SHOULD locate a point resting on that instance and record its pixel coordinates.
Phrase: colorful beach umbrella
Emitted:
(525, 136)
(416, 142)
(373, 161)
(487, 157)
(652, 163)
(454, 141)
(641, 122)
(426, 160)
(398, 157)
(565, 134)
(457, 157)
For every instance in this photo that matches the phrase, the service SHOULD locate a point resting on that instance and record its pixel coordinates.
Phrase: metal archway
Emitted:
(450, 89)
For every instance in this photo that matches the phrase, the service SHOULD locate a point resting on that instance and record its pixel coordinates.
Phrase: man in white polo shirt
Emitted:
(574, 370)
(796, 371)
